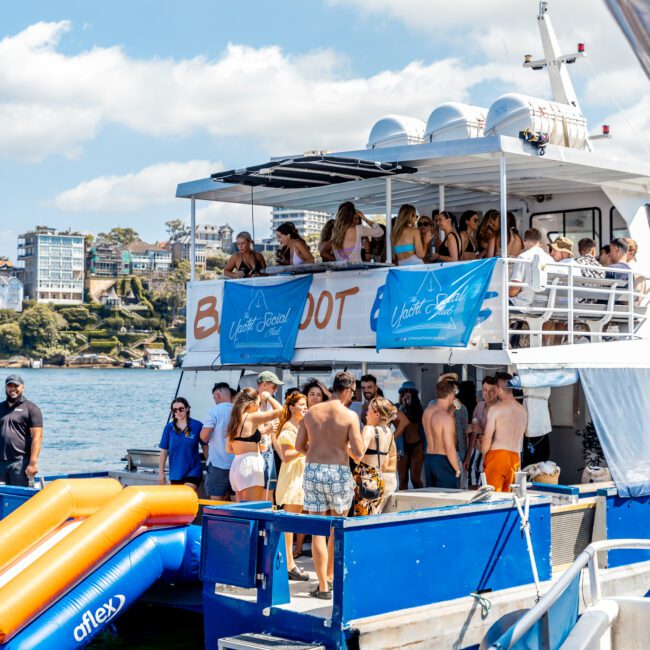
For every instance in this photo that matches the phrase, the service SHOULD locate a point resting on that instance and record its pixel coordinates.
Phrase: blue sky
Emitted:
(104, 107)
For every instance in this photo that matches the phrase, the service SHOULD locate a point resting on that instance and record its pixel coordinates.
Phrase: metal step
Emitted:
(264, 642)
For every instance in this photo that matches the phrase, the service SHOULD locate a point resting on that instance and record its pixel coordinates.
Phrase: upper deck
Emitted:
(601, 322)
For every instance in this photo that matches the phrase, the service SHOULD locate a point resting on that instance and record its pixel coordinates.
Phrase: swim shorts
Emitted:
(500, 467)
(438, 472)
(246, 471)
(328, 487)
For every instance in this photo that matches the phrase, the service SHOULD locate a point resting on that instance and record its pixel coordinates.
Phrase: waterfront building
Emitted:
(104, 260)
(181, 250)
(216, 239)
(53, 265)
(307, 222)
(11, 291)
(143, 258)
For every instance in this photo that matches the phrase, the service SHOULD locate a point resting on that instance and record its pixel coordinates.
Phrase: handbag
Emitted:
(371, 483)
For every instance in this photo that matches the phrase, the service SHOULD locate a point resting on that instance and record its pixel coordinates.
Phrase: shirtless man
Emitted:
(328, 435)
(441, 466)
(502, 437)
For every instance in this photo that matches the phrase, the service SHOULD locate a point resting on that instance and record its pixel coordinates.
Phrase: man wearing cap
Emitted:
(268, 382)
(504, 431)
(217, 483)
(21, 430)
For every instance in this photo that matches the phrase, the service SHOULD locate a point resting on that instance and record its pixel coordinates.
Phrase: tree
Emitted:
(174, 226)
(8, 316)
(39, 326)
(119, 236)
(88, 240)
(11, 338)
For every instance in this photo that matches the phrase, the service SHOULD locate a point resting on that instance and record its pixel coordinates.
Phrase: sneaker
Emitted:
(323, 595)
(298, 574)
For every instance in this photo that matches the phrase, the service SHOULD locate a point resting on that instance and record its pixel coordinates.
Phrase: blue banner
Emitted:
(432, 307)
(259, 323)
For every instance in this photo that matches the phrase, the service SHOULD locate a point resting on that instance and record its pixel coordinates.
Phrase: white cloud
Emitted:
(150, 186)
(54, 103)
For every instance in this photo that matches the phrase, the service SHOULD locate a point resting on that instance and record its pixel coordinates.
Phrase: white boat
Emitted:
(451, 573)
(158, 359)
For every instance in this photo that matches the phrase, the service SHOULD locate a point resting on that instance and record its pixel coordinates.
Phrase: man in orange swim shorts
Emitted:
(504, 431)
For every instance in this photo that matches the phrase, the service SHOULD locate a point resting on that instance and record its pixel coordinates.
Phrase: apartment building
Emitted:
(53, 265)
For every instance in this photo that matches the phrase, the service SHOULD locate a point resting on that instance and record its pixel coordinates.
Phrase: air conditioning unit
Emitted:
(264, 642)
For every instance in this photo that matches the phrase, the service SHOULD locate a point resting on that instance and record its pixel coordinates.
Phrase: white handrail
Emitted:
(588, 557)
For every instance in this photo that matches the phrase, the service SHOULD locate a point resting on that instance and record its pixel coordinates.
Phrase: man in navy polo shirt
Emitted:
(21, 431)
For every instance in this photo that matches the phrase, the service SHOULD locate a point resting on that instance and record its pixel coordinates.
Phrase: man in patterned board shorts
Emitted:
(326, 433)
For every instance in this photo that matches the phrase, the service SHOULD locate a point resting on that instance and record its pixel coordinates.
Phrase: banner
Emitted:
(260, 323)
(425, 307)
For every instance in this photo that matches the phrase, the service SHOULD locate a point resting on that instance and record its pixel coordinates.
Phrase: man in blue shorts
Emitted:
(326, 433)
(217, 482)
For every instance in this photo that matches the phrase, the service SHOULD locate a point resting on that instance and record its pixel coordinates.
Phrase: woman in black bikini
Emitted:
(449, 249)
(467, 230)
(412, 459)
(246, 263)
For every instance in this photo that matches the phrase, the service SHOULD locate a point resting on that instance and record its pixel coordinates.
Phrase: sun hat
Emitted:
(407, 385)
(269, 377)
(562, 244)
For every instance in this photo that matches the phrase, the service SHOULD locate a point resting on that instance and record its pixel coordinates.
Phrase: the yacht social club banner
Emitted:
(424, 307)
(260, 323)
(341, 311)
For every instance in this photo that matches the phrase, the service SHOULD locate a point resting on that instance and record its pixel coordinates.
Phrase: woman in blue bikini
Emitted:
(409, 246)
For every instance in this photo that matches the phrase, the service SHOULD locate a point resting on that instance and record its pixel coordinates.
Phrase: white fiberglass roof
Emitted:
(469, 170)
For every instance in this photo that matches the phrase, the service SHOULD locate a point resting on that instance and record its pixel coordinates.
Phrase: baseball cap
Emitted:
(269, 376)
(14, 379)
(407, 385)
(562, 244)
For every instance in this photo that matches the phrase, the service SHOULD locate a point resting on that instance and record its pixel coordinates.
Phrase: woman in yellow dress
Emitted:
(289, 492)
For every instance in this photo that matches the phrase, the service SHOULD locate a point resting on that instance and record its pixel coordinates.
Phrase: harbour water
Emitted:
(91, 416)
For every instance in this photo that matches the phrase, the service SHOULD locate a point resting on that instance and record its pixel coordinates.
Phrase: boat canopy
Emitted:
(460, 172)
(310, 171)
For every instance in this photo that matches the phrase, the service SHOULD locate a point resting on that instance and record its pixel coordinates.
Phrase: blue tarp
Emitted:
(619, 403)
(260, 323)
(432, 307)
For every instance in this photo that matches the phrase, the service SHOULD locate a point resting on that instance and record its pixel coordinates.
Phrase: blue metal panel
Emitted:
(564, 490)
(229, 551)
(441, 558)
(12, 497)
(627, 517)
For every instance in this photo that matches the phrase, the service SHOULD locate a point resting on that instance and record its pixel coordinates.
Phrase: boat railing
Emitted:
(575, 300)
(588, 558)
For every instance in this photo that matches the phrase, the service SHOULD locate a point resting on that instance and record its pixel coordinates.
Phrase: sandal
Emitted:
(298, 574)
(323, 595)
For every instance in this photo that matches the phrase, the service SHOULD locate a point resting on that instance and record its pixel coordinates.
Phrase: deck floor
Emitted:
(301, 601)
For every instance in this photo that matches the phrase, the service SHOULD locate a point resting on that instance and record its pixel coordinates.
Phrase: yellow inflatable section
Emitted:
(118, 516)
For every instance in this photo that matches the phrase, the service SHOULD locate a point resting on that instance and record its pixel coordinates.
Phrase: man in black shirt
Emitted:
(21, 430)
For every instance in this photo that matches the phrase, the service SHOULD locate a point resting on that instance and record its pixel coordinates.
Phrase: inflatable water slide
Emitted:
(81, 551)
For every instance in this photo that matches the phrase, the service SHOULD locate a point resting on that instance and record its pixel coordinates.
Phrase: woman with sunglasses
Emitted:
(180, 443)
(449, 249)
(467, 229)
(425, 227)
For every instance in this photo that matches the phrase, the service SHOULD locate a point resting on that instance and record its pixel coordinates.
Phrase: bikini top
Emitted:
(247, 270)
(404, 248)
(376, 450)
(444, 250)
(471, 246)
(255, 438)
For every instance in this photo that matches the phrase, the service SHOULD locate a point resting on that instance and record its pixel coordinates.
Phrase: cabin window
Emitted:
(574, 224)
(617, 225)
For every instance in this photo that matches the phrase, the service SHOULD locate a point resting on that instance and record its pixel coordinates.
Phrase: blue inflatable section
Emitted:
(172, 554)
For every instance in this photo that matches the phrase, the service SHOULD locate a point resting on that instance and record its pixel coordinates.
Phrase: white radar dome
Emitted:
(396, 130)
(513, 113)
(455, 121)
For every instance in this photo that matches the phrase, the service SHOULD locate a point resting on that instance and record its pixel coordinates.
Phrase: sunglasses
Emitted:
(424, 224)
(179, 409)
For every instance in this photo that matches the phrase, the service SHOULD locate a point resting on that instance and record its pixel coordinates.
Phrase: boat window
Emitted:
(617, 225)
(574, 224)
